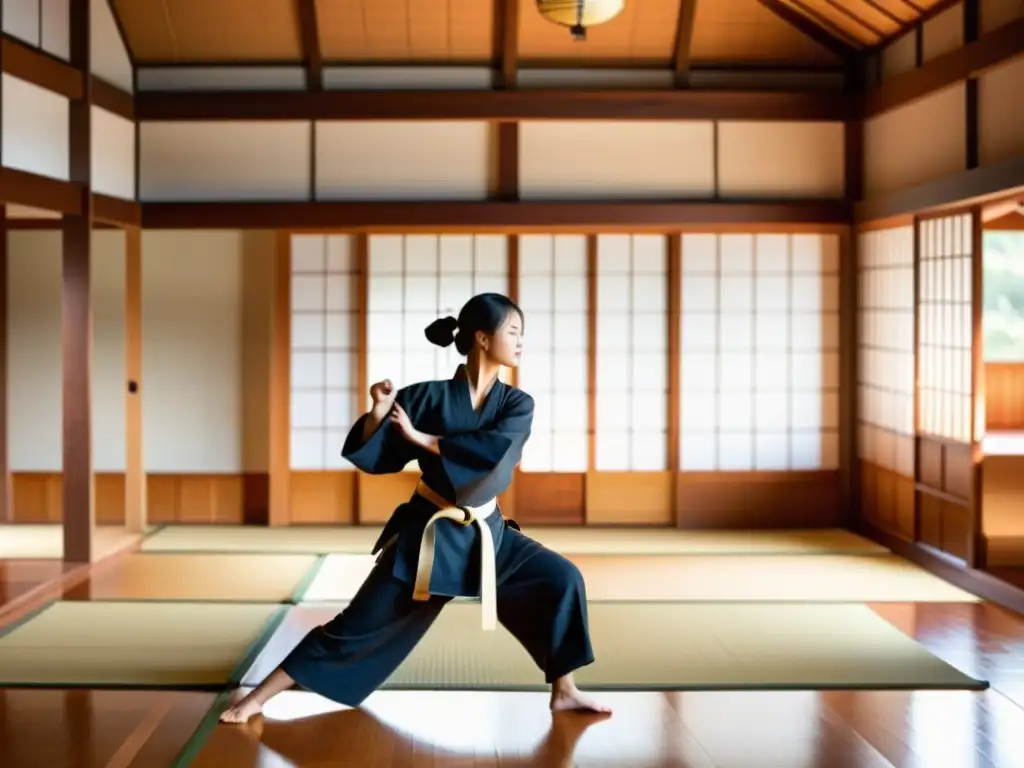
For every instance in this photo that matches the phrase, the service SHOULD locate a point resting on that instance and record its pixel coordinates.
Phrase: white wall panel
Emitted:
(602, 79)
(40, 23)
(917, 142)
(221, 78)
(943, 33)
(325, 349)
(760, 352)
(109, 57)
(632, 353)
(392, 160)
(409, 78)
(34, 405)
(1001, 112)
(781, 159)
(191, 350)
(885, 387)
(554, 295)
(113, 154)
(232, 160)
(899, 56)
(615, 160)
(35, 129)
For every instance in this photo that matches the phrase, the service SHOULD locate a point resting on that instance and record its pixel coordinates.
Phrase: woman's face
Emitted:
(505, 345)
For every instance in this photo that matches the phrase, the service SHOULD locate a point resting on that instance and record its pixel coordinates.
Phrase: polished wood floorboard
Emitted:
(834, 729)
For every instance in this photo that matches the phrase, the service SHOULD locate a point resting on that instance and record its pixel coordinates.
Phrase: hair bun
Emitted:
(442, 331)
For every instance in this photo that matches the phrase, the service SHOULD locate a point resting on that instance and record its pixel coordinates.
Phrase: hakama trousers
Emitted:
(541, 602)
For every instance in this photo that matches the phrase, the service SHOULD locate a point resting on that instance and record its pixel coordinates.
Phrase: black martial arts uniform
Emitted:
(540, 594)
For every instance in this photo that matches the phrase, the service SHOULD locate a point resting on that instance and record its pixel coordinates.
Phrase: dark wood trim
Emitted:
(849, 353)
(989, 181)
(507, 181)
(990, 50)
(37, 191)
(496, 105)
(310, 35)
(980, 583)
(675, 405)
(810, 29)
(492, 215)
(592, 341)
(976, 549)
(116, 211)
(972, 29)
(684, 40)
(46, 71)
(6, 497)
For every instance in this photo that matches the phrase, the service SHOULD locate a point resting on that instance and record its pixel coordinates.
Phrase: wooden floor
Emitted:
(119, 729)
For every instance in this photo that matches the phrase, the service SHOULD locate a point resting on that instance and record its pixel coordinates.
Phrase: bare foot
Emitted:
(569, 699)
(242, 711)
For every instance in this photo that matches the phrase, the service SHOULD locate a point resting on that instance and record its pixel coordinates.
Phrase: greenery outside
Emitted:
(1003, 289)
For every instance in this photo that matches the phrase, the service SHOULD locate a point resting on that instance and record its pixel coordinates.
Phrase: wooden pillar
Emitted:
(280, 386)
(134, 469)
(675, 309)
(76, 313)
(6, 498)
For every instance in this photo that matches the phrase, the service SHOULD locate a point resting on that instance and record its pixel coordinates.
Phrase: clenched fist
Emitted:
(383, 393)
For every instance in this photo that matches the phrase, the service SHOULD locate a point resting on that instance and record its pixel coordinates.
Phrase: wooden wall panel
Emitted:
(322, 497)
(630, 498)
(215, 499)
(1004, 396)
(761, 500)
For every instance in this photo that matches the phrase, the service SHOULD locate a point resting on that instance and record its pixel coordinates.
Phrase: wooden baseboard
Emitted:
(980, 583)
(171, 498)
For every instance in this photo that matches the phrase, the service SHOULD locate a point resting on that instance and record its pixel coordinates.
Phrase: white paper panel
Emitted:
(220, 161)
(408, 78)
(35, 129)
(109, 57)
(221, 78)
(113, 154)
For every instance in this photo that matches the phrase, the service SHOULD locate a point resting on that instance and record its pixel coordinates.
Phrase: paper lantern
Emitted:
(577, 15)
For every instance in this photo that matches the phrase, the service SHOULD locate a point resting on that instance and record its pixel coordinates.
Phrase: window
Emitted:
(885, 386)
(1003, 291)
(944, 323)
(324, 349)
(760, 352)
(632, 353)
(554, 295)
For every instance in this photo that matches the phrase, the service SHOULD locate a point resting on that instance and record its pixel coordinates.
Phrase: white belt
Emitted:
(465, 516)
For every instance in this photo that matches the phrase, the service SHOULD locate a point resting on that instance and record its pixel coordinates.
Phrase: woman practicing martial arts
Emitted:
(450, 539)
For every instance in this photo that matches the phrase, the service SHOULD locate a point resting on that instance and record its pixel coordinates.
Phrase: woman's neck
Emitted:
(481, 372)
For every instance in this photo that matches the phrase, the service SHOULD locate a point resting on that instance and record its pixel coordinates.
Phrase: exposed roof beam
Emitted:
(311, 45)
(810, 29)
(494, 215)
(684, 40)
(506, 43)
(496, 106)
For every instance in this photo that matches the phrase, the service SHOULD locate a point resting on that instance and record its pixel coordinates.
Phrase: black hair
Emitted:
(485, 312)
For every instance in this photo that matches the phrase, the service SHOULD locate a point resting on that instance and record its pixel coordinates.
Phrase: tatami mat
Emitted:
(135, 644)
(576, 540)
(199, 576)
(823, 578)
(687, 646)
(27, 541)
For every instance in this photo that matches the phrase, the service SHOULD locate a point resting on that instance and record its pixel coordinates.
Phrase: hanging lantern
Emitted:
(577, 15)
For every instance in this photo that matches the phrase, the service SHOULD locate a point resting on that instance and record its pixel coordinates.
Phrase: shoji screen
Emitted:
(885, 387)
(554, 294)
(630, 481)
(760, 376)
(413, 280)
(947, 505)
(324, 344)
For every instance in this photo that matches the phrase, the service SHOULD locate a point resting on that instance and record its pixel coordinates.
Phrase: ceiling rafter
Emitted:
(840, 7)
(841, 48)
(684, 42)
(506, 43)
(311, 54)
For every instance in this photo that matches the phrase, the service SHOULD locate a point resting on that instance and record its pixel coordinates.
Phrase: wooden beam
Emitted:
(506, 44)
(990, 50)
(684, 40)
(990, 181)
(279, 503)
(76, 314)
(809, 29)
(116, 211)
(46, 71)
(971, 30)
(310, 36)
(494, 215)
(6, 497)
(37, 191)
(508, 105)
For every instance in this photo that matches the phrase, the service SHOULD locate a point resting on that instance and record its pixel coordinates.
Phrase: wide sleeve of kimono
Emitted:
(470, 457)
(385, 451)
